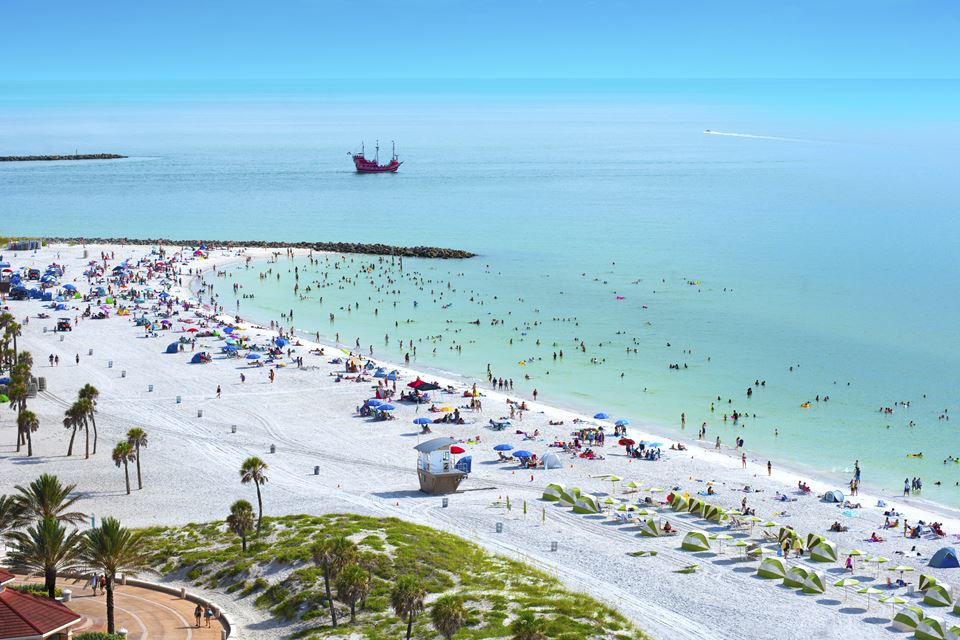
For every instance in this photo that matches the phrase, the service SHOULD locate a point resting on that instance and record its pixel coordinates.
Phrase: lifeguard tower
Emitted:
(437, 468)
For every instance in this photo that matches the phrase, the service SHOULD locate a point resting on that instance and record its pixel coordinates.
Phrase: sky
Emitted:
(436, 39)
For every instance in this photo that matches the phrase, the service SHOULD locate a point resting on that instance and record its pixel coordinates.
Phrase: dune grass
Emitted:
(278, 574)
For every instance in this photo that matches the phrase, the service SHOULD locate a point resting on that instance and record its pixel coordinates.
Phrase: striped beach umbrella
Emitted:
(844, 583)
(870, 591)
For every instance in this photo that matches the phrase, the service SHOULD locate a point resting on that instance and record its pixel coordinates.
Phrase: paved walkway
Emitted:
(144, 613)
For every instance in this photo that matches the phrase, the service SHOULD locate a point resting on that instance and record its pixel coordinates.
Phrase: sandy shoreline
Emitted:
(190, 470)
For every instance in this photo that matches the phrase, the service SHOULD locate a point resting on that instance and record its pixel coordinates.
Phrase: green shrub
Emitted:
(35, 588)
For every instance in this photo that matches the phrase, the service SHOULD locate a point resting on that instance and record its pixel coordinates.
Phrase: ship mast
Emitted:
(376, 158)
(394, 145)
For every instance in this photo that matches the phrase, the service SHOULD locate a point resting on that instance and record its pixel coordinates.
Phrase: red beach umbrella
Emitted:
(625, 441)
(456, 449)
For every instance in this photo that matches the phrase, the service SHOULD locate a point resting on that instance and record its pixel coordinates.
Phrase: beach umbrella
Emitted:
(522, 453)
(721, 537)
(856, 553)
(879, 560)
(386, 407)
(742, 544)
(613, 480)
(253, 356)
(192, 330)
(643, 512)
(446, 409)
(625, 441)
(69, 287)
(870, 591)
(894, 601)
(611, 500)
(759, 552)
(503, 447)
(600, 416)
(423, 421)
(228, 329)
(901, 569)
(373, 402)
(456, 449)
(622, 422)
(844, 583)
(655, 490)
(633, 484)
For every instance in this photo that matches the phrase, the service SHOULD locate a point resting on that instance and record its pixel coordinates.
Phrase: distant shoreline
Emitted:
(76, 156)
(332, 247)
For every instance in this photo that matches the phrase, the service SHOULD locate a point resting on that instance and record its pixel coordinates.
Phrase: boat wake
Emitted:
(710, 132)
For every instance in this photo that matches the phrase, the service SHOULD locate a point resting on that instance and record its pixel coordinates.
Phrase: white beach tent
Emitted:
(553, 491)
(931, 628)
(772, 568)
(824, 551)
(796, 577)
(586, 504)
(552, 461)
(908, 618)
(938, 595)
(695, 541)
(814, 583)
(569, 498)
(648, 528)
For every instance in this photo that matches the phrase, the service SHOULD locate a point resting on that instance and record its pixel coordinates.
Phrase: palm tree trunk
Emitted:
(353, 611)
(326, 585)
(243, 542)
(29, 444)
(409, 625)
(86, 429)
(110, 624)
(93, 421)
(259, 505)
(50, 582)
(19, 437)
(73, 434)
(126, 472)
(139, 479)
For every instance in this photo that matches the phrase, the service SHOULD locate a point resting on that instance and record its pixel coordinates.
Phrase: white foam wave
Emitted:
(710, 132)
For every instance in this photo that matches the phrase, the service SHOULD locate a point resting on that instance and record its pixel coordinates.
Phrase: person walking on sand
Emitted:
(243, 378)
(78, 359)
(218, 391)
(769, 468)
(197, 613)
(717, 446)
(743, 460)
(848, 565)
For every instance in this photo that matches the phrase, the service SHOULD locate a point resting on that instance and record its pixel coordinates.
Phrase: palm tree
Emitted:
(17, 391)
(46, 548)
(112, 549)
(252, 470)
(73, 419)
(46, 497)
(123, 454)
(406, 598)
(8, 514)
(138, 438)
(526, 626)
(353, 585)
(332, 555)
(447, 615)
(240, 521)
(89, 392)
(27, 423)
(82, 407)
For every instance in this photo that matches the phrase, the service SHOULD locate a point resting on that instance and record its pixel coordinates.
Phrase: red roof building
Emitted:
(24, 616)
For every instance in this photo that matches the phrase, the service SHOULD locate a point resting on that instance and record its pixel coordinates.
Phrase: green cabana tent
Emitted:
(796, 577)
(553, 492)
(824, 551)
(931, 628)
(695, 541)
(908, 618)
(814, 583)
(772, 568)
(938, 595)
(648, 528)
(926, 582)
(586, 504)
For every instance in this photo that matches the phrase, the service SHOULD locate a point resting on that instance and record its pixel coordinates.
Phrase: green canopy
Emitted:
(772, 568)
(695, 541)
(814, 583)
(795, 577)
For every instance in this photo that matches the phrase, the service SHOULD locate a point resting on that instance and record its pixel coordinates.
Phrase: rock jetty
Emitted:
(76, 156)
(333, 247)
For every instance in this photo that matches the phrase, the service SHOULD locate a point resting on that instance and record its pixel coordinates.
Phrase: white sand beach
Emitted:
(191, 472)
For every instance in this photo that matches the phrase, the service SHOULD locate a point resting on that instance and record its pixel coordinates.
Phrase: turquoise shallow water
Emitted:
(830, 246)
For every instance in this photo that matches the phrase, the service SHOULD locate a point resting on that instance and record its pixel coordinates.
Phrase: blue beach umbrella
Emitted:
(69, 287)
(522, 453)
(386, 407)
(600, 416)
(280, 342)
(253, 356)
(423, 421)
(230, 347)
(622, 422)
(228, 329)
(392, 375)
(503, 447)
(373, 402)
(651, 444)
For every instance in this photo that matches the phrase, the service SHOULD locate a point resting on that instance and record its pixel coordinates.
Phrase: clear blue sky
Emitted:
(285, 39)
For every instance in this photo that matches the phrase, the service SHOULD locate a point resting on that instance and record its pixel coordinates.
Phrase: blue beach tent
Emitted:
(173, 347)
(197, 358)
(945, 558)
(833, 496)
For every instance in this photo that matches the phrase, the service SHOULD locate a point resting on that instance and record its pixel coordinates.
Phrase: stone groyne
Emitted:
(76, 156)
(333, 247)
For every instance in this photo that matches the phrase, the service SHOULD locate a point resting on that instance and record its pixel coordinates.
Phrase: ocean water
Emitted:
(824, 237)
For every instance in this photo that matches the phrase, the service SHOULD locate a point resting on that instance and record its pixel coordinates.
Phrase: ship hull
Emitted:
(365, 166)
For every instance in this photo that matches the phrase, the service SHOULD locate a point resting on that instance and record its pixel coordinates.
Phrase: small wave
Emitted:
(710, 132)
